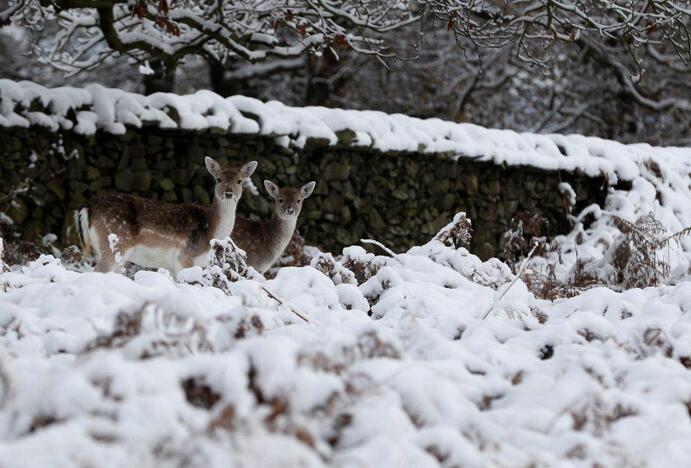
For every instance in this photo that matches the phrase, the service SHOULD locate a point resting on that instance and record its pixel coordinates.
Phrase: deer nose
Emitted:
(229, 194)
(290, 211)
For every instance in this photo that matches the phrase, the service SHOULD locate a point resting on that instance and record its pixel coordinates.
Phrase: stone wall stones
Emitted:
(400, 199)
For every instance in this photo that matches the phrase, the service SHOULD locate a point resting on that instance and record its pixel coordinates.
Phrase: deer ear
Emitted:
(248, 169)
(271, 188)
(212, 166)
(306, 190)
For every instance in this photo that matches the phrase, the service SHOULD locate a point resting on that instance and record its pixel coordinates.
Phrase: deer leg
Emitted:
(184, 261)
(106, 256)
(106, 261)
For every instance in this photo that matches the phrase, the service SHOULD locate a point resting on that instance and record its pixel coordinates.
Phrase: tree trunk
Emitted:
(220, 84)
(320, 70)
(161, 80)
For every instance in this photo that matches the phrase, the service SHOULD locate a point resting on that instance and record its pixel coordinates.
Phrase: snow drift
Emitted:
(394, 368)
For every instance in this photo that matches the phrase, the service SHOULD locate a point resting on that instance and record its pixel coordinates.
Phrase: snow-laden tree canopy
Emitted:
(534, 25)
(93, 30)
(90, 31)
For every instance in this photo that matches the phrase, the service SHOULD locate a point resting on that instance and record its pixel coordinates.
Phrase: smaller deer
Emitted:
(156, 234)
(265, 241)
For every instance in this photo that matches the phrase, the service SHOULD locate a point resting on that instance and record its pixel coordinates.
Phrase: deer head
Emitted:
(288, 199)
(229, 179)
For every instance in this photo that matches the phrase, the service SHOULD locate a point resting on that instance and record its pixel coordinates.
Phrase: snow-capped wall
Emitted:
(392, 177)
(94, 108)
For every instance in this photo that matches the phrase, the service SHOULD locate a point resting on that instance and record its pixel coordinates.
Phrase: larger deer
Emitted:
(156, 234)
(265, 241)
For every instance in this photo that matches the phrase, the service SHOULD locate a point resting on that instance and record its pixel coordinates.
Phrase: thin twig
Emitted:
(284, 303)
(381, 246)
(241, 260)
(518, 275)
(3, 265)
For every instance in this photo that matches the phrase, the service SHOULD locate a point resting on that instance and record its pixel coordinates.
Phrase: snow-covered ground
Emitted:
(398, 371)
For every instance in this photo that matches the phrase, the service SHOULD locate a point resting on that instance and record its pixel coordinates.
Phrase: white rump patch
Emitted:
(155, 257)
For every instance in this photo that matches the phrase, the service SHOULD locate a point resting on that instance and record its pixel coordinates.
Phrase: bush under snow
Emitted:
(395, 367)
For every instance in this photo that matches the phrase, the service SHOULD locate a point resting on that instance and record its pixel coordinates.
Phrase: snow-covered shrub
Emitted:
(339, 274)
(296, 253)
(492, 272)
(546, 285)
(363, 264)
(526, 228)
(153, 330)
(227, 263)
(637, 258)
(457, 233)
(147, 371)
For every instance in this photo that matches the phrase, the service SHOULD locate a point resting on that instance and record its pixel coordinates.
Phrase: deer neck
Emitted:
(280, 233)
(222, 218)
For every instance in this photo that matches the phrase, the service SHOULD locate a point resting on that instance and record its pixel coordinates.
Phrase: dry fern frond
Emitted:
(525, 229)
(457, 233)
(635, 258)
(327, 264)
(677, 236)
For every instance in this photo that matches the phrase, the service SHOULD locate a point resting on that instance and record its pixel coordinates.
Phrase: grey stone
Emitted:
(375, 220)
(201, 195)
(141, 181)
(166, 184)
(493, 187)
(471, 183)
(100, 183)
(169, 196)
(92, 173)
(400, 194)
(448, 201)
(337, 170)
(139, 164)
(332, 203)
(124, 180)
(346, 215)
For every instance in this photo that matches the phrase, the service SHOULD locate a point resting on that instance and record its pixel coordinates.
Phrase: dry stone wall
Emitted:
(401, 199)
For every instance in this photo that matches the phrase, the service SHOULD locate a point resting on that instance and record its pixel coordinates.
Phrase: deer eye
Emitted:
(239, 181)
(299, 201)
(280, 200)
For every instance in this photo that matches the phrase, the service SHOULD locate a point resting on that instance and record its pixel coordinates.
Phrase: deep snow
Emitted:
(109, 371)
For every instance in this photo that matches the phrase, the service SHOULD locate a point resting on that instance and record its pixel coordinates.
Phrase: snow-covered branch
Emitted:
(220, 30)
(533, 26)
(225, 30)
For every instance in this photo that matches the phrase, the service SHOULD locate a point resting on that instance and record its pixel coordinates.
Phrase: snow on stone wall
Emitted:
(376, 172)
(97, 108)
(401, 200)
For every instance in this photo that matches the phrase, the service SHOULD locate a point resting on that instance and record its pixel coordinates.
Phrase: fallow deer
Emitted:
(265, 241)
(156, 234)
